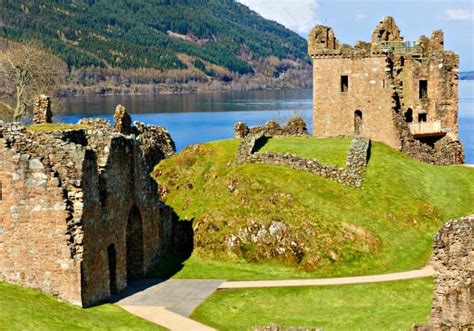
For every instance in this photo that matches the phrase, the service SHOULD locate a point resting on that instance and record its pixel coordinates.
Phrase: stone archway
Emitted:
(357, 122)
(134, 244)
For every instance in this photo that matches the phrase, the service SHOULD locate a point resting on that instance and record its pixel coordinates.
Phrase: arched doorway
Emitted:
(357, 122)
(134, 244)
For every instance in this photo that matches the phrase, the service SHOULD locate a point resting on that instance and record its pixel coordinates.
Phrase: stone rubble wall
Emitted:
(41, 233)
(68, 195)
(294, 127)
(448, 150)
(352, 175)
(453, 262)
(42, 110)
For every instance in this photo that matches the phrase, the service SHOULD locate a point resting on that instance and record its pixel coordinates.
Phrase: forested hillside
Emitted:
(127, 42)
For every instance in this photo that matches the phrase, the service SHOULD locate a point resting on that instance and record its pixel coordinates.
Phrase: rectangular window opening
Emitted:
(423, 89)
(422, 117)
(1, 190)
(344, 83)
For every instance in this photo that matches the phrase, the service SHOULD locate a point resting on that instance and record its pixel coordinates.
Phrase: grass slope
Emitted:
(387, 226)
(26, 309)
(382, 306)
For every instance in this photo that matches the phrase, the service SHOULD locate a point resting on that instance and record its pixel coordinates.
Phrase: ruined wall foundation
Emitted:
(255, 138)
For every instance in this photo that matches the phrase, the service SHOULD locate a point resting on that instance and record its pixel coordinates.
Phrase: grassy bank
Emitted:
(383, 306)
(26, 309)
(386, 226)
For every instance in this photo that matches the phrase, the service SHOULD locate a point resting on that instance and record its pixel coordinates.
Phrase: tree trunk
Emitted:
(20, 105)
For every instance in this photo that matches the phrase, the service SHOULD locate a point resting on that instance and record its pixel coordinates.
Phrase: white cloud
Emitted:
(360, 17)
(459, 14)
(297, 15)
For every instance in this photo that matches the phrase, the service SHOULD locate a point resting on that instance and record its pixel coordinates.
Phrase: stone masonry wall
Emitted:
(42, 110)
(453, 262)
(80, 214)
(40, 211)
(296, 126)
(352, 175)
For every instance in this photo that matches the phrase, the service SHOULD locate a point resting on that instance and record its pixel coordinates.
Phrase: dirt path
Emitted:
(169, 303)
(420, 273)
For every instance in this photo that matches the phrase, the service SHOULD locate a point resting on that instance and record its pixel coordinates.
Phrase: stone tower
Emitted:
(402, 93)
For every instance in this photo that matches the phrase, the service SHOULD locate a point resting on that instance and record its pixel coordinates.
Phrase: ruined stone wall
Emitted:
(80, 214)
(296, 126)
(123, 209)
(40, 211)
(368, 91)
(352, 175)
(453, 262)
(441, 103)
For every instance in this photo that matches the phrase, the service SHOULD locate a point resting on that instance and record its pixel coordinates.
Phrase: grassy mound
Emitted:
(263, 221)
(26, 309)
(382, 306)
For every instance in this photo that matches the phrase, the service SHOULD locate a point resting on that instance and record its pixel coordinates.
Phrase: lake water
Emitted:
(196, 118)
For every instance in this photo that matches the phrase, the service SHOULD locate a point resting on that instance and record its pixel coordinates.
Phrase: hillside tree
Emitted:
(27, 70)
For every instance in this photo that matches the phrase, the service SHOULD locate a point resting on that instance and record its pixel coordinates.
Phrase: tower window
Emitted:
(344, 83)
(423, 90)
(422, 117)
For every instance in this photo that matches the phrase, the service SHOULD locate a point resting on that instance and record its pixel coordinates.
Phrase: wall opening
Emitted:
(423, 89)
(344, 83)
(409, 115)
(112, 257)
(134, 244)
(357, 122)
(422, 117)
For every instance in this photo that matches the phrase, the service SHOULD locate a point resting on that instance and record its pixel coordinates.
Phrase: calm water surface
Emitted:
(193, 118)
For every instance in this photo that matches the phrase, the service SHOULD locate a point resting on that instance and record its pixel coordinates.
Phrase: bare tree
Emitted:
(26, 70)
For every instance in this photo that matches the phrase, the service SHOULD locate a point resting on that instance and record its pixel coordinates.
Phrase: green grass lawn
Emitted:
(48, 127)
(386, 226)
(327, 150)
(26, 309)
(382, 306)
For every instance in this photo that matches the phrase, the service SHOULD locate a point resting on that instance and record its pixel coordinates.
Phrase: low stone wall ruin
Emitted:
(294, 127)
(352, 175)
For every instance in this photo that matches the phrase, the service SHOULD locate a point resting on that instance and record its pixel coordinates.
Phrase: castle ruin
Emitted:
(402, 93)
(80, 215)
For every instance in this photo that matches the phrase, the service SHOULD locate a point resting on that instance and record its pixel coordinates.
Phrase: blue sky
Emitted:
(355, 20)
